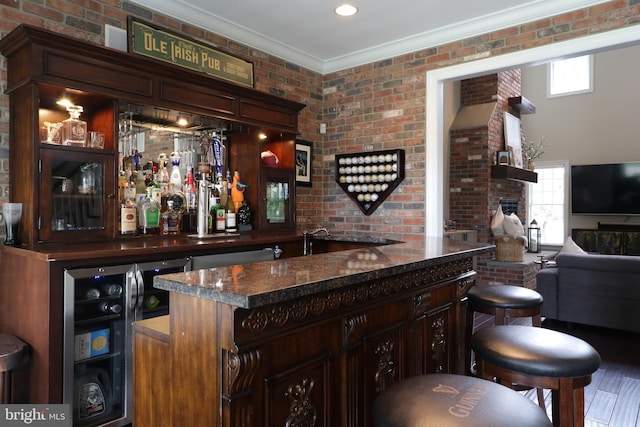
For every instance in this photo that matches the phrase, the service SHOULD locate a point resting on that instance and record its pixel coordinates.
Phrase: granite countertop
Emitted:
(261, 283)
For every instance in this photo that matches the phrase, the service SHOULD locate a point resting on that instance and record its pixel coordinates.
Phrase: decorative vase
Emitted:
(531, 165)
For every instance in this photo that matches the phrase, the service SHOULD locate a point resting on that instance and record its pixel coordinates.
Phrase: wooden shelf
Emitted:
(522, 105)
(513, 173)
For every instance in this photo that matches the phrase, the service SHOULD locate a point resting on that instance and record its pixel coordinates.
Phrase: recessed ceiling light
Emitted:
(346, 10)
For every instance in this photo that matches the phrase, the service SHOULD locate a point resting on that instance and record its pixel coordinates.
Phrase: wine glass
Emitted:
(12, 213)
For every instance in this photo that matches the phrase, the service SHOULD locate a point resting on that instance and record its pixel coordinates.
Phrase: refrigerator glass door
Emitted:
(100, 305)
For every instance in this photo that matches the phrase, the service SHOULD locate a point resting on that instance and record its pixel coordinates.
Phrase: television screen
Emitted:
(607, 189)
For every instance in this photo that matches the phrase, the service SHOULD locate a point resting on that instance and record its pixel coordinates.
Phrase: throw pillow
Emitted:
(512, 225)
(571, 247)
(496, 222)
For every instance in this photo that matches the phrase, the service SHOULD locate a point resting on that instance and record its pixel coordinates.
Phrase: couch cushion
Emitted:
(602, 263)
(570, 247)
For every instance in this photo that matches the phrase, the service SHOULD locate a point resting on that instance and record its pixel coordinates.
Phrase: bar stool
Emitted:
(503, 302)
(445, 400)
(12, 352)
(539, 357)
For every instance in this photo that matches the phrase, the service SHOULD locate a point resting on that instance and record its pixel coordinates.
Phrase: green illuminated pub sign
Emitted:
(166, 46)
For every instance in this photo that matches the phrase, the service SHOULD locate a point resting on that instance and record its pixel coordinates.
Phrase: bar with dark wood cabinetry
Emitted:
(302, 341)
(43, 67)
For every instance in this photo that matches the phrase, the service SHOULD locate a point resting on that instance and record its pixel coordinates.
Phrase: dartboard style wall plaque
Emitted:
(368, 178)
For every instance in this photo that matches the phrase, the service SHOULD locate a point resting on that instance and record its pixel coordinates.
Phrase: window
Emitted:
(547, 201)
(570, 76)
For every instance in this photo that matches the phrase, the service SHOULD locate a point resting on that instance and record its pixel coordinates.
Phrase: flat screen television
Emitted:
(606, 189)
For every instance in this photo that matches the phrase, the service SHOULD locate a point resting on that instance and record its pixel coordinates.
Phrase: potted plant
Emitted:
(533, 150)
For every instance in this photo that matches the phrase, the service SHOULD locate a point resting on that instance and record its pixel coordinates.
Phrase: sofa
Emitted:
(597, 290)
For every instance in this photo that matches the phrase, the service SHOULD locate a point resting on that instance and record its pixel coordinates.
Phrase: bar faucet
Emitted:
(306, 243)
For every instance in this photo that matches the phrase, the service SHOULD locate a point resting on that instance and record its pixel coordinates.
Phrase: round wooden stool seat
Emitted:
(444, 400)
(12, 352)
(539, 357)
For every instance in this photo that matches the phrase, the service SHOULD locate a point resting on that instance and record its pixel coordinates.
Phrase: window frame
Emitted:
(566, 208)
(589, 89)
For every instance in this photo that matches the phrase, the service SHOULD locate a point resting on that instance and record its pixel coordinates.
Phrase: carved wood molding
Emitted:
(385, 372)
(240, 373)
(302, 413)
(439, 343)
(351, 323)
(282, 314)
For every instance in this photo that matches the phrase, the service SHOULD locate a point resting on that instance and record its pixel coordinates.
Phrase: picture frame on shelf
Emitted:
(511, 157)
(513, 139)
(503, 158)
(304, 159)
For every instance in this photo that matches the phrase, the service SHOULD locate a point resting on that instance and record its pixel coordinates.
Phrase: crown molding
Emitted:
(483, 24)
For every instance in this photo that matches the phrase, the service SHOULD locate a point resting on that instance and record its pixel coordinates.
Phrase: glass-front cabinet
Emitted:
(278, 208)
(76, 193)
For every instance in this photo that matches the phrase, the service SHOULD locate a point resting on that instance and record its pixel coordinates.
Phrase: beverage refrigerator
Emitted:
(100, 306)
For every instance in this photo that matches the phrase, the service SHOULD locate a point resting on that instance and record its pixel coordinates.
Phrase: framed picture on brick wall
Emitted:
(513, 139)
(303, 163)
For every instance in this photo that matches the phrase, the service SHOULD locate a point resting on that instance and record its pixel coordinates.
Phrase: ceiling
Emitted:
(308, 32)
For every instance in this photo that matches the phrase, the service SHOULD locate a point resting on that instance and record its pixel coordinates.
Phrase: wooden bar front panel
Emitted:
(318, 360)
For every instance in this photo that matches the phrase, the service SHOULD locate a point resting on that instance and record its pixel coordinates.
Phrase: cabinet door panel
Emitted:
(300, 395)
(76, 195)
(277, 210)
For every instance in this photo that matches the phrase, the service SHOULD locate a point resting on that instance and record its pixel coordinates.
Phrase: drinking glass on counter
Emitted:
(12, 213)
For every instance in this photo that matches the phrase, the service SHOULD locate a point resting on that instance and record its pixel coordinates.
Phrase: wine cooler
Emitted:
(101, 305)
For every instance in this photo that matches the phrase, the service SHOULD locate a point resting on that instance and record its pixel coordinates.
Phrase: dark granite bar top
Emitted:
(261, 283)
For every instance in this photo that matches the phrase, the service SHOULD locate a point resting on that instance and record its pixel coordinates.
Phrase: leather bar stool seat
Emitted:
(504, 301)
(13, 352)
(539, 357)
(445, 400)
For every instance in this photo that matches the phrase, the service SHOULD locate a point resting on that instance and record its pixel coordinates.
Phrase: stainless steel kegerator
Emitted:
(100, 306)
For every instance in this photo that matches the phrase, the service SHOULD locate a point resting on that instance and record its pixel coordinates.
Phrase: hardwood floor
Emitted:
(613, 397)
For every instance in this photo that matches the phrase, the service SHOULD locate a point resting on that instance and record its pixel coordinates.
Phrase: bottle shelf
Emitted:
(97, 358)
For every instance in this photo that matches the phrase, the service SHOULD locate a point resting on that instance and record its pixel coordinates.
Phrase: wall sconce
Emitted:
(534, 235)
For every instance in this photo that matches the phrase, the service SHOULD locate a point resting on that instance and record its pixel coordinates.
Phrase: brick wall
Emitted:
(490, 271)
(380, 105)
(473, 195)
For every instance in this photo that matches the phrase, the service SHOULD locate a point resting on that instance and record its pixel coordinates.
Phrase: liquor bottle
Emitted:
(191, 193)
(151, 301)
(176, 177)
(217, 214)
(170, 220)
(110, 308)
(162, 178)
(149, 214)
(112, 289)
(74, 130)
(230, 212)
(128, 212)
(223, 192)
(92, 293)
(141, 187)
(178, 198)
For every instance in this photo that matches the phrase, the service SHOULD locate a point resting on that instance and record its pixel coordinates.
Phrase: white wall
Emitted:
(598, 127)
